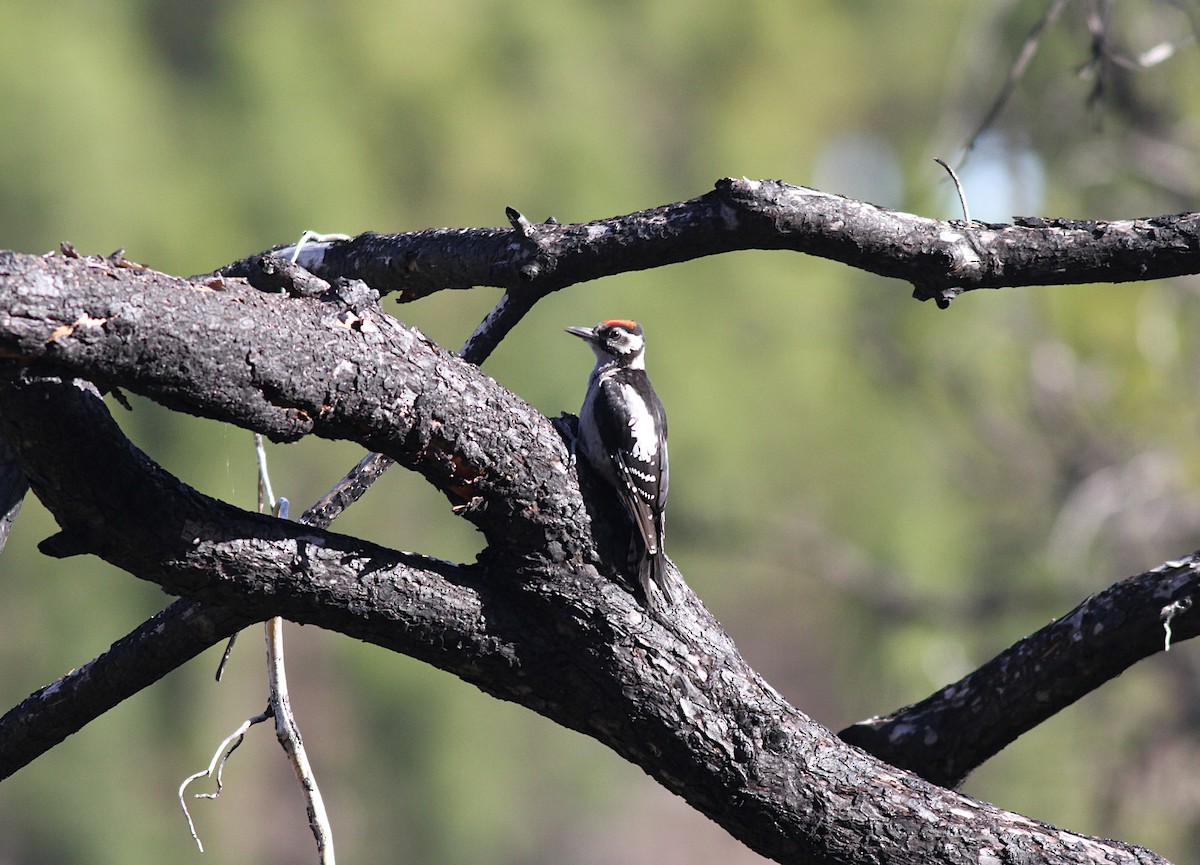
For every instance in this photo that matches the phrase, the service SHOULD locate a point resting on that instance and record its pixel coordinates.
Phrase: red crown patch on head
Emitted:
(622, 322)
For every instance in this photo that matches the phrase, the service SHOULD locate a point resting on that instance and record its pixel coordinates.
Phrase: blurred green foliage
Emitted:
(873, 495)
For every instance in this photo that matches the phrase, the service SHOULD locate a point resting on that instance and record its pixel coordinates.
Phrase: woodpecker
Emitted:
(623, 434)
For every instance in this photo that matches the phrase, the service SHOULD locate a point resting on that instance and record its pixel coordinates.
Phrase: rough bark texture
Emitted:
(541, 619)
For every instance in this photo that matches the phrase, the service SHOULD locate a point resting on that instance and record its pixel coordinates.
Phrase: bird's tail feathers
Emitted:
(658, 573)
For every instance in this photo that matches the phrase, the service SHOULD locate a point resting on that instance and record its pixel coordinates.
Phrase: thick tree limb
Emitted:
(944, 737)
(335, 371)
(940, 259)
(678, 701)
(540, 627)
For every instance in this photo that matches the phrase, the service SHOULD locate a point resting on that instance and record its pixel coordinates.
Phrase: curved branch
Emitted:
(940, 259)
(340, 369)
(946, 736)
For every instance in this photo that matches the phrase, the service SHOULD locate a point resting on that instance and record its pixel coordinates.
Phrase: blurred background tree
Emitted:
(872, 495)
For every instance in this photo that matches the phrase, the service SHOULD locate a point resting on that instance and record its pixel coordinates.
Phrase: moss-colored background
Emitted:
(874, 496)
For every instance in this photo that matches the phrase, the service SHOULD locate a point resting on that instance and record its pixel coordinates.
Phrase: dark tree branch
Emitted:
(508, 313)
(678, 701)
(946, 736)
(334, 372)
(940, 259)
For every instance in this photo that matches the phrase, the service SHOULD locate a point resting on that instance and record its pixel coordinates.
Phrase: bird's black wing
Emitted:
(628, 425)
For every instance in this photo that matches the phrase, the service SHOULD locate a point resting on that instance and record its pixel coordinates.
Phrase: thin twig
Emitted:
(279, 706)
(288, 734)
(266, 496)
(507, 314)
(346, 491)
(1168, 613)
(216, 768)
(225, 655)
(309, 237)
(287, 731)
(962, 196)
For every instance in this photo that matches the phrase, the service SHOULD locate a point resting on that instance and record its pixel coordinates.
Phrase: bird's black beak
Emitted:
(587, 333)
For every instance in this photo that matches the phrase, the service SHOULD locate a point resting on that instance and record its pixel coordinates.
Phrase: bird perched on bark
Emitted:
(623, 435)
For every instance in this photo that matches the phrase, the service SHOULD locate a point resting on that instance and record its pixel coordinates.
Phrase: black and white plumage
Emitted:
(623, 435)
